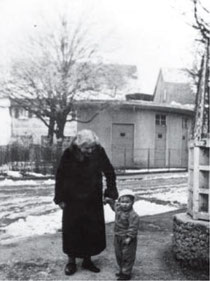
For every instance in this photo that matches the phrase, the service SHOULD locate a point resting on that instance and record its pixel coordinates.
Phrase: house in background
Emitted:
(5, 121)
(173, 86)
(136, 129)
(138, 133)
(28, 129)
(146, 130)
(21, 125)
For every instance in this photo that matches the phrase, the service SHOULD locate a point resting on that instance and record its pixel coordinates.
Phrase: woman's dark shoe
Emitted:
(89, 265)
(118, 274)
(70, 268)
(124, 277)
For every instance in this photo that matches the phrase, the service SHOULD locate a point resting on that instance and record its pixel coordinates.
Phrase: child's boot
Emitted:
(124, 277)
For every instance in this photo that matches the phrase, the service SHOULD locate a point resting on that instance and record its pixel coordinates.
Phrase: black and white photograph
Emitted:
(104, 140)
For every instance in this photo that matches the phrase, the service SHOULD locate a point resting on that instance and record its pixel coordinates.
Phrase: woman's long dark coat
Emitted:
(79, 185)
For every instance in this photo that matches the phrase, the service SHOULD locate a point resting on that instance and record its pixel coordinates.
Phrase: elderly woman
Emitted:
(79, 192)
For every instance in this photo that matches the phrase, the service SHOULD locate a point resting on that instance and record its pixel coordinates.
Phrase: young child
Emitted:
(126, 230)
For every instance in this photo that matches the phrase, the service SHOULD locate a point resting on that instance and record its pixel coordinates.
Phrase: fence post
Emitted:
(124, 158)
(169, 158)
(148, 159)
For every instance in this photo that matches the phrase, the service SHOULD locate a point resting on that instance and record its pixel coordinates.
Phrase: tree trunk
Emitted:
(51, 130)
(60, 128)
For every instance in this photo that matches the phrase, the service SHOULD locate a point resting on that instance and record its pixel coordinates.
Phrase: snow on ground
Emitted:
(32, 225)
(51, 223)
(132, 171)
(142, 208)
(15, 174)
(166, 176)
(27, 213)
(178, 195)
(10, 182)
(145, 208)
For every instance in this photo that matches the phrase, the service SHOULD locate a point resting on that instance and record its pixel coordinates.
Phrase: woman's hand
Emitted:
(62, 205)
(107, 200)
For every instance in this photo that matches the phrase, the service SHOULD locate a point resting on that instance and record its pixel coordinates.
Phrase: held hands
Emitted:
(107, 200)
(110, 201)
(62, 205)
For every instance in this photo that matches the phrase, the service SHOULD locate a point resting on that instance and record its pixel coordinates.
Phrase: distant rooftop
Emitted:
(175, 75)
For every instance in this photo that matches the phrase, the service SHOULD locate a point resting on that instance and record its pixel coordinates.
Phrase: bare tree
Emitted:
(201, 123)
(58, 70)
(201, 23)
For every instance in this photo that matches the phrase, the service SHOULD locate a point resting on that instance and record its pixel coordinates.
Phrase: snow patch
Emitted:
(50, 223)
(32, 225)
(9, 182)
(174, 196)
(145, 208)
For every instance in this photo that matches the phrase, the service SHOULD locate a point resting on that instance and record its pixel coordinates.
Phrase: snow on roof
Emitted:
(172, 107)
(175, 75)
(186, 106)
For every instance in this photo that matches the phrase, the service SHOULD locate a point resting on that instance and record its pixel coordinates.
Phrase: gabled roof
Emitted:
(174, 85)
(175, 75)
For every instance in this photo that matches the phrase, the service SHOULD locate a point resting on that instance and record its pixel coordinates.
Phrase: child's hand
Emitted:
(127, 241)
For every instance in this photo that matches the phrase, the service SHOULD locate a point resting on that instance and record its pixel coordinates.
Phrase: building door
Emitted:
(122, 145)
(160, 141)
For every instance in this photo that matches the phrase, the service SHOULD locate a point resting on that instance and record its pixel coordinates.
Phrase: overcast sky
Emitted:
(148, 33)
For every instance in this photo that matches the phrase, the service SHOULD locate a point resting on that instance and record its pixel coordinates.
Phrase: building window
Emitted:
(184, 123)
(160, 119)
(21, 113)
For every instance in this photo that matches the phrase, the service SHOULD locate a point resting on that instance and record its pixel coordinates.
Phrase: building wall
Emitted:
(144, 133)
(5, 121)
(33, 128)
(144, 140)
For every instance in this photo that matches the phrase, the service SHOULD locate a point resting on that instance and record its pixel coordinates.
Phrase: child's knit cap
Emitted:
(126, 192)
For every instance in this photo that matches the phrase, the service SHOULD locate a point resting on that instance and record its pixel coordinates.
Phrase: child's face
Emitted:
(126, 203)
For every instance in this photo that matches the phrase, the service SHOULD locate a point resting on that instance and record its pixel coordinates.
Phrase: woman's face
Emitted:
(126, 203)
(87, 149)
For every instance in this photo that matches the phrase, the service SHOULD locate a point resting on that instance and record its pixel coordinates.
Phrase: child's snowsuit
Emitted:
(126, 225)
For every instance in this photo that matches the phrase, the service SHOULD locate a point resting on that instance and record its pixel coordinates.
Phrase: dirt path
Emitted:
(41, 258)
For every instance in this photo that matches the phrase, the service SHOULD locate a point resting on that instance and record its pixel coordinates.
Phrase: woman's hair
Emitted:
(86, 137)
